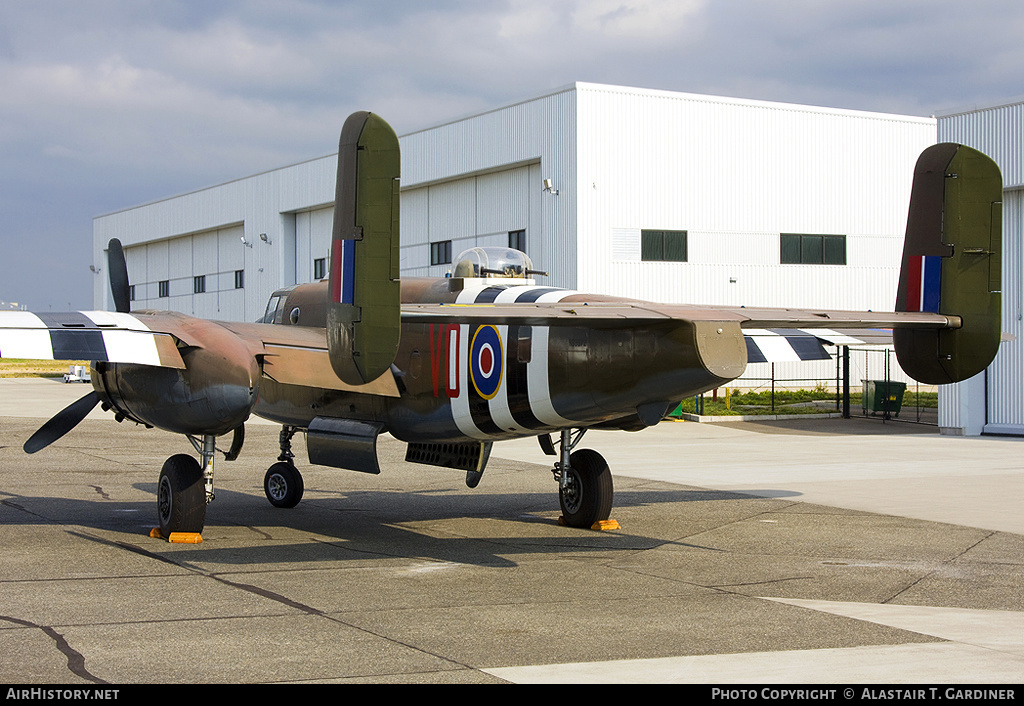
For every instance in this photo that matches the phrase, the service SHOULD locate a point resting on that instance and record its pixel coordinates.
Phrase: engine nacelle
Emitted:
(214, 394)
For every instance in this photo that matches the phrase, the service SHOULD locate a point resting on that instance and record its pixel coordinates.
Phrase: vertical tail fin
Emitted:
(952, 264)
(364, 308)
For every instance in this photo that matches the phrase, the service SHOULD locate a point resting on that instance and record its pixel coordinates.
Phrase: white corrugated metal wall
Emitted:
(474, 180)
(214, 255)
(993, 402)
(313, 230)
(735, 175)
(474, 211)
(177, 236)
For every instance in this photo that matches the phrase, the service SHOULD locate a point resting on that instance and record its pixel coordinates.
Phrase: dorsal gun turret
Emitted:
(494, 263)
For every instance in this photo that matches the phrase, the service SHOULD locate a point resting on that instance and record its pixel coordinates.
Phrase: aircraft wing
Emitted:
(86, 335)
(296, 355)
(290, 354)
(632, 313)
(770, 334)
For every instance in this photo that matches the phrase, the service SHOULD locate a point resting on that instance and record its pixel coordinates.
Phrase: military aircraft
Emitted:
(451, 365)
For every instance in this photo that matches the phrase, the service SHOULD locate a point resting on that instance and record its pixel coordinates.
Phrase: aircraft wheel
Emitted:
(283, 485)
(587, 497)
(181, 496)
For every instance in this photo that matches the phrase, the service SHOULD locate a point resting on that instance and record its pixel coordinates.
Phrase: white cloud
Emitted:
(528, 18)
(642, 20)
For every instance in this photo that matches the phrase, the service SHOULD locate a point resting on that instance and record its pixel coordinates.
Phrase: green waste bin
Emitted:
(883, 396)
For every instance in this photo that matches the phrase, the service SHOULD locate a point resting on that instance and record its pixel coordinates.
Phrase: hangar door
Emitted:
(313, 243)
(441, 220)
(1005, 394)
(200, 274)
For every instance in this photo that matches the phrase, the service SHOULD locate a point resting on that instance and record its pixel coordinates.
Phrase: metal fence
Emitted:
(885, 393)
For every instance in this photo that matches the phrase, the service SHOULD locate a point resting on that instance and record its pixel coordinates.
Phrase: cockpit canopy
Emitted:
(493, 262)
(276, 307)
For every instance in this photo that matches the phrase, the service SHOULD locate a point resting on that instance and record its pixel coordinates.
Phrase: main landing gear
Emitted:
(584, 480)
(185, 486)
(181, 496)
(184, 489)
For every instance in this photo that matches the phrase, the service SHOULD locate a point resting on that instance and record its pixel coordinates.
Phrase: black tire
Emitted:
(587, 498)
(283, 485)
(181, 496)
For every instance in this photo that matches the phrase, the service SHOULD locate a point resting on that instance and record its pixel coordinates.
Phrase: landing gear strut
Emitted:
(584, 482)
(186, 485)
(283, 483)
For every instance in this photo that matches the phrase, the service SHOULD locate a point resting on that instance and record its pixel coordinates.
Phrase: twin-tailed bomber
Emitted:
(451, 365)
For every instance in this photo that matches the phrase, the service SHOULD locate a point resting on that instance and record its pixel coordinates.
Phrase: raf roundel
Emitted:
(485, 356)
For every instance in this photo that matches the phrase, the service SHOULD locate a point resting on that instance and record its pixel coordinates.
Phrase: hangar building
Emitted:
(657, 195)
(993, 402)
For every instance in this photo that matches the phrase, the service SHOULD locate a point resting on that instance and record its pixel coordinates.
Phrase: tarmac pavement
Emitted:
(825, 551)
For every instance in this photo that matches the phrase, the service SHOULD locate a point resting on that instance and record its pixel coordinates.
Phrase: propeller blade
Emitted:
(61, 423)
(117, 268)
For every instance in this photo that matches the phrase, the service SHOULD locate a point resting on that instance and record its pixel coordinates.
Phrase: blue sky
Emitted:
(107, 104)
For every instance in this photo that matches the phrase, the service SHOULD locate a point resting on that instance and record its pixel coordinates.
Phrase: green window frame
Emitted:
(517, 240)
(441, 252)
(812, 249)
(663, 246)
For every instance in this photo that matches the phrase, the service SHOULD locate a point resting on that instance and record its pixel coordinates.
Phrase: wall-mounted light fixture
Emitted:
(265, 239)
(95, 270)
(245, 242)
(549, 186)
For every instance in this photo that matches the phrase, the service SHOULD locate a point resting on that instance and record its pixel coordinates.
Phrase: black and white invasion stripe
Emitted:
(523, 401)
(77, 335)
(782, 345)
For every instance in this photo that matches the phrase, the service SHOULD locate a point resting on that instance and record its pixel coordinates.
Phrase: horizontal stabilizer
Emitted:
(952, 264)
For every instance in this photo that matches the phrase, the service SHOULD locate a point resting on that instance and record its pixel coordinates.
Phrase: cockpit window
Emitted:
(268, 316)
(276, 313)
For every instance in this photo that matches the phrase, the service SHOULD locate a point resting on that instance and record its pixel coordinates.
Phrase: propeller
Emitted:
(61, 423)
(118, 271)
(69, 417)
